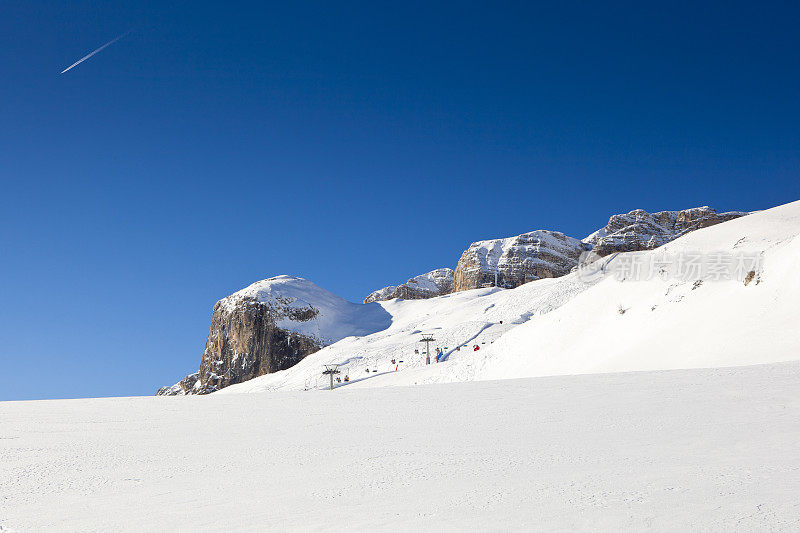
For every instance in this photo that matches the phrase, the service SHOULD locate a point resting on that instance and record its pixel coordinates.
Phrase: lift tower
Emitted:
(427, 339)
(331, 370)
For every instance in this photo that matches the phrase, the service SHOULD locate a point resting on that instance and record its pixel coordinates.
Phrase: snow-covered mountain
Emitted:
(431, 284)
(720, 296)
(513, 261)
(272, 326)
(640, 230)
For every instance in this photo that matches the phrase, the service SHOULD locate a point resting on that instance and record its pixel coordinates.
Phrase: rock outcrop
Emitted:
(181, 388)
(640, 230)
(434, 283)
(512, 261)
(516, 260)
(270, 326)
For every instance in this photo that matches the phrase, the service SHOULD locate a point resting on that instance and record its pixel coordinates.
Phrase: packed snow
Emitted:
(671, 450)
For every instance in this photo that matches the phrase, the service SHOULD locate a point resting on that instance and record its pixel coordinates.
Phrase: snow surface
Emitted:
(672, 450)
(572, 325)
(335, 319)
(669, 323)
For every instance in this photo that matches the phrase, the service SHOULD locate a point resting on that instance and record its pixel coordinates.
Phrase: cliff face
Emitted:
(640, 230)
(434, 283)
(516, 260)
(270, 326)
(244, 341)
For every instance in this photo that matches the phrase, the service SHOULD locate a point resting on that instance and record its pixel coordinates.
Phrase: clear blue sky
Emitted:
(354, 144)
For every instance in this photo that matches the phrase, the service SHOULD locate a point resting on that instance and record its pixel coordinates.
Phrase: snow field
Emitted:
(711, 449)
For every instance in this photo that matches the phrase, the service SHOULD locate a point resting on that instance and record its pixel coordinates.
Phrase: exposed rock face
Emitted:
(181, 388)
(516, 260)
(640, 230)
(434, 283)
(547, 254)
(270, 326)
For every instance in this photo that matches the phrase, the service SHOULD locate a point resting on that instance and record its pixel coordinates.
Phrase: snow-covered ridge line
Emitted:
(575, 324)
(269, 326)
(274, 324)
(512, 261)
(431, 284)
(307, 309)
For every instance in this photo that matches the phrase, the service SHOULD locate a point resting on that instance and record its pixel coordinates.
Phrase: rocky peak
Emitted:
(546, 254)
(640, 230)
(270, 326)
(434, 283)
(512, 261)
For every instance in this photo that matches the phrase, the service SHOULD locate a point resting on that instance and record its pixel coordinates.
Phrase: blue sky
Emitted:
(352, 143)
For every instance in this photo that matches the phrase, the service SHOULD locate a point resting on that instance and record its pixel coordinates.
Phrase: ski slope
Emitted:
(579, 323)
(687, 450)
(458, 321)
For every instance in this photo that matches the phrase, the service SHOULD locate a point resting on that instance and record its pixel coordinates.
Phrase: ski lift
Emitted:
(394, 362)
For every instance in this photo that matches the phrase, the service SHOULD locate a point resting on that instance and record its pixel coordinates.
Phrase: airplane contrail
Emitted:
(87, 56)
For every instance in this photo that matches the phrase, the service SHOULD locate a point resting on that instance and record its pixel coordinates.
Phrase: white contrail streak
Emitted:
(87, 56)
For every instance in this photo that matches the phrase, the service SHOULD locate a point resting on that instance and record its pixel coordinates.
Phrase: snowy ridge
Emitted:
(513, 261)
(458, 321)
(434, 283)
(310, 310)
(496, 253)
(640, 230)
(626, 324)
(574, 325)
